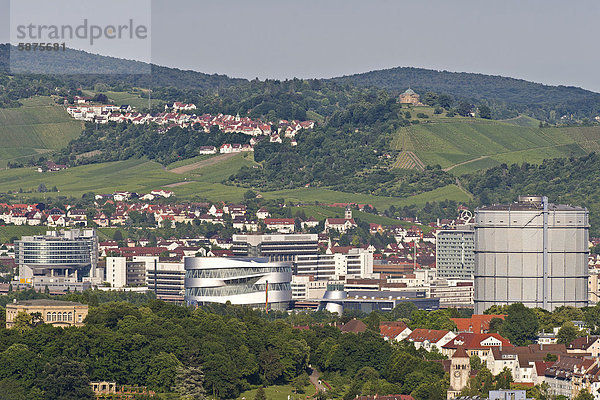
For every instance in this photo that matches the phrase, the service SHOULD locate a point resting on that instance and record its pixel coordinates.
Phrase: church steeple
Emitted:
(460, 372)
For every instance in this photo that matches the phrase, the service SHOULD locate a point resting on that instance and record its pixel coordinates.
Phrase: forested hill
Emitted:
(73, 62)
(473, 86)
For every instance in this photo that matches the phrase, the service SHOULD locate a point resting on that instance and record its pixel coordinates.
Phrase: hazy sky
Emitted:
(548, 41)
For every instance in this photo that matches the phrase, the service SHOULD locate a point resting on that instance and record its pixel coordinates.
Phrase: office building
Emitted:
(305, 287)
(455, 253)
(62, 259)
(531, 252)
(356, 262)
(164, 277)
(54, 312)
(255, 282)
(276, 247)
(121, 273)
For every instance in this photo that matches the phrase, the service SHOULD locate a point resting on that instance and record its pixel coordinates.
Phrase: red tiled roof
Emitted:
(473, 340)
(391, 329)
(431, 335)
(354, 326)
(478, 323)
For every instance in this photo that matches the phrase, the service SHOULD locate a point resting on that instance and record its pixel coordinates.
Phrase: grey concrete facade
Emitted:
(526, 254)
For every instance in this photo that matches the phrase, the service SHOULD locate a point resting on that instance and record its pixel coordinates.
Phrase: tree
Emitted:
(584, 395)
(249, 195)
(485, 112)
(42, 188)
(300, 382)
(520, 325)
(476, 363)
(496, 325)
(66, 379)
(567, 333)
(260, 394)
(190, 383)
(162, 370)
(118, 235)
(464, 109)
(22, 322)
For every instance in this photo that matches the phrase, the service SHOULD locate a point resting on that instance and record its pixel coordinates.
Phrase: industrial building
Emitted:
(251, 281)
(455, 253)
(532, 252)
(59, 260)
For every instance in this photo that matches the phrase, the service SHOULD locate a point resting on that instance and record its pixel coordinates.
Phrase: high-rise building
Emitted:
(455, 253)
(60, 259)
(276, 247)
(255, 282)
(531, 252)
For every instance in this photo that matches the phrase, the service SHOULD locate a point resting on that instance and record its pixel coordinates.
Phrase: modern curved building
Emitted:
(249, 281)
(531, 252)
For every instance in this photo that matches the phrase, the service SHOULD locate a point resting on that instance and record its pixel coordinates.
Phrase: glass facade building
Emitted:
(247, 281)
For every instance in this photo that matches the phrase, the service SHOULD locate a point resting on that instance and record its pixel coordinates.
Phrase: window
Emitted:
(79, 318)
(70, 316)
(59, 316)
(48, 316)
(54, 316)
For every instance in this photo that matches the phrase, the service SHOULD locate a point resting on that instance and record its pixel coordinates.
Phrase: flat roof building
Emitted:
(276, 247)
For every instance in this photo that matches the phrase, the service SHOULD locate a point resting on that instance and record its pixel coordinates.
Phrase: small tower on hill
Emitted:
(348, 214)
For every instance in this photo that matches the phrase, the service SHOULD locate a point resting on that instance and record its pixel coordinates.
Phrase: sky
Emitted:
(547, 41)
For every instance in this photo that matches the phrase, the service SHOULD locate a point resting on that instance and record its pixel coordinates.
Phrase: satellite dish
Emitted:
(466, 216)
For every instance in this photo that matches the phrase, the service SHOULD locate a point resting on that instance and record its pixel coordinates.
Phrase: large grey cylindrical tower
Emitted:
(531, 252)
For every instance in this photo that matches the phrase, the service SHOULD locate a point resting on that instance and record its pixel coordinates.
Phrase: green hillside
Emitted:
(466, 146)
(39, 126)
(143, 176)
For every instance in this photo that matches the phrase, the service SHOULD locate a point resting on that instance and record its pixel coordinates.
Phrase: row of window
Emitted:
(236, 289)
(62, 316)
(233, 272)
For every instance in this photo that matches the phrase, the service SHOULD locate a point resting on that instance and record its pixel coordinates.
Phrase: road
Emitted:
(314, 379)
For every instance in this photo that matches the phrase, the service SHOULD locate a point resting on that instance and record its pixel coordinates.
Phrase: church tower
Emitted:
(348, 214)
(460, 371)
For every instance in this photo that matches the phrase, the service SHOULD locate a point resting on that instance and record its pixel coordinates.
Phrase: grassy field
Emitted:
(471, 145)
(9, 232)
(132, 99)
(224, 169)
(320, 212)
(279, 393)
(39, 126)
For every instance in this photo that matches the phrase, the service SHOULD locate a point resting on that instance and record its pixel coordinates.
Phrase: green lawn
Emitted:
(132, 99)
(224, 169)
(8, 232)
(279, 393)
(39, 126)
(189, 161)
(320, 212)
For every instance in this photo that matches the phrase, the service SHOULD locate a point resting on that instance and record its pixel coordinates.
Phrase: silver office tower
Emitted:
(531, 252)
